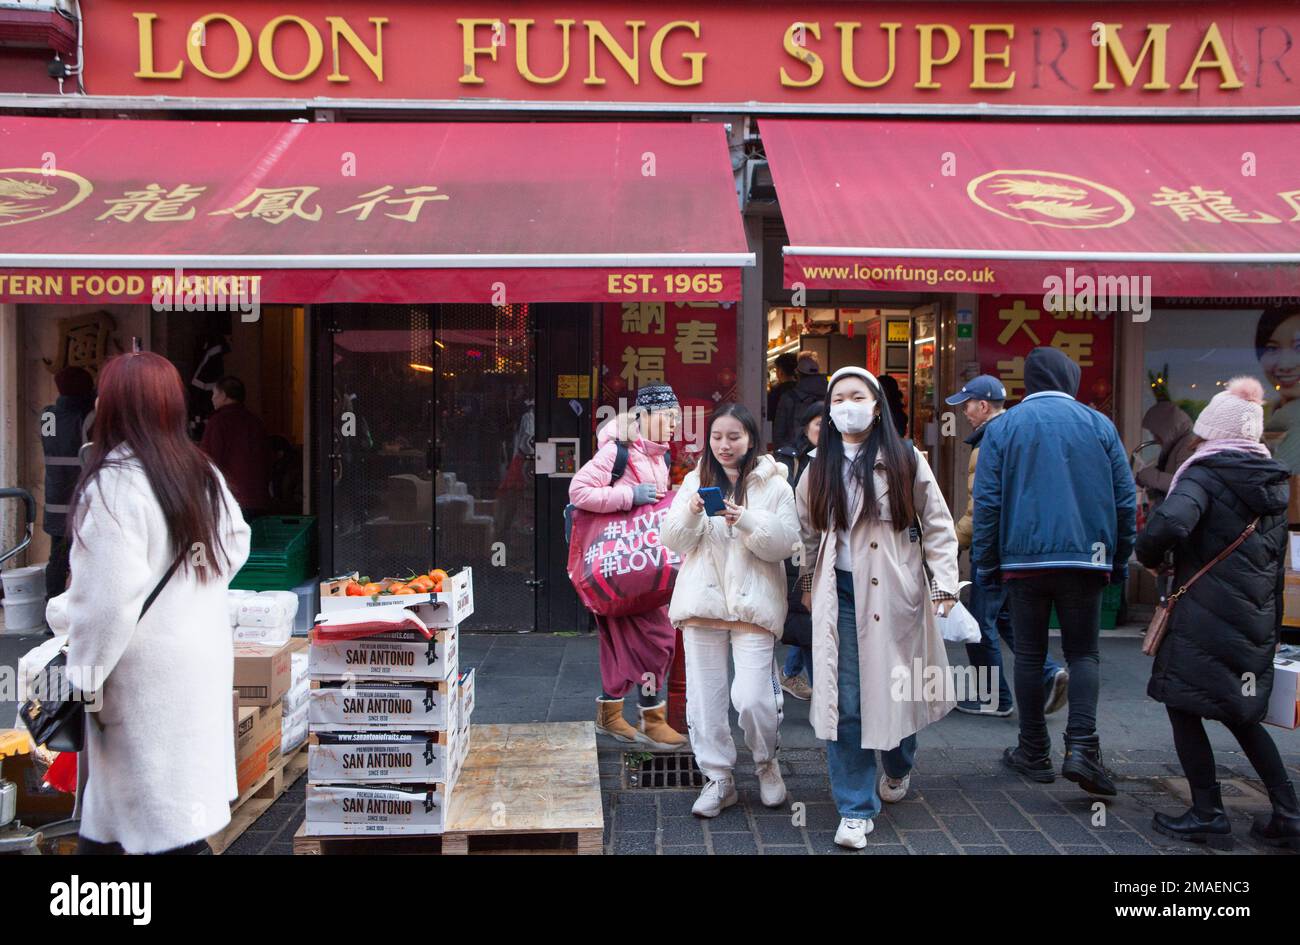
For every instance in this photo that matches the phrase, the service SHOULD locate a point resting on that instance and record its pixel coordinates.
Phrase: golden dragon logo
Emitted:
(1049, 198)
(28, 194)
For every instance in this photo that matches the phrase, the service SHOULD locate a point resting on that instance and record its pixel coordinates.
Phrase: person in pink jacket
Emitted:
(639, 646)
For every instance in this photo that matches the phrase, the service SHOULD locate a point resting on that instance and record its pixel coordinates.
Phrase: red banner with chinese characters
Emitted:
(1012, 326)
(688, 345)
(1150, 55)
(1206, 208)
(199, 212)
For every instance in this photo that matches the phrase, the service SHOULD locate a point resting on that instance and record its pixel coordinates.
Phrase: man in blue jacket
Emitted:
(1055, 519)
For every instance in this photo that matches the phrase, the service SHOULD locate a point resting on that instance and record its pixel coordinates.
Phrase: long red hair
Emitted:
(141, 407)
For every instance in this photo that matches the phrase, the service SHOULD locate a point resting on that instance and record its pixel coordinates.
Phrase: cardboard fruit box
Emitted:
(445, 609)
(334, 809)
(383, 706)
(405, 655)
(391, 757)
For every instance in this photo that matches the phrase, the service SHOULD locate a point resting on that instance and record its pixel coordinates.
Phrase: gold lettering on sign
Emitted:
(631, 62)
(468, 28)
(695, 59)
(243, 45)
(928, 61)
(846, 55)
(982, 55)
(816, 68)
(373, 58)
(144, 22)
(1213, 40)
(266, 48)
(521, 51)
(1112, 47)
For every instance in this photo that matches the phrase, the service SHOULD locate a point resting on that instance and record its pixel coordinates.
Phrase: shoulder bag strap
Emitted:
(158, 588)
(1250, 529)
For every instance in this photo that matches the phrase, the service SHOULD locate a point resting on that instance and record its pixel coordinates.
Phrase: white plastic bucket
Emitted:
(24, 614)
(24, 584)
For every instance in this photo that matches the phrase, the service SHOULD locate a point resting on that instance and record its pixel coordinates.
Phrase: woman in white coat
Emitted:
(159, 756)
(873, 522)
(730, 596)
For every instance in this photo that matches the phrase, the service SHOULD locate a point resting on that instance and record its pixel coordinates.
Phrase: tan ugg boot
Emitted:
(610, 721)
(655, 730)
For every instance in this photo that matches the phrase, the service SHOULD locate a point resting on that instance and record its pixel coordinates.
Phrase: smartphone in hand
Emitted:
(712, 498)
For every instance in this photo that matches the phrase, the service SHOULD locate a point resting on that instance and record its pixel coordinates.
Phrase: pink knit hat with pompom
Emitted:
(1235, 413)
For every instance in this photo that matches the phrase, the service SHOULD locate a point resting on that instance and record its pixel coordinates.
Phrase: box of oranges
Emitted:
(444, 598)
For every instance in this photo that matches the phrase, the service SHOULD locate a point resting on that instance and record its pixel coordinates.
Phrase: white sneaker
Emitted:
(853, 833)
(891, 791)
(716, 797)
(771, 788)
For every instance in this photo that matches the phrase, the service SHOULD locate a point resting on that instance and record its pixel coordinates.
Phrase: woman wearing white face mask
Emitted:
(730, 598)
(873, 520)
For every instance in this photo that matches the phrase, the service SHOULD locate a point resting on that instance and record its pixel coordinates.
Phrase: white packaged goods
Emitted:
(1284, 700)
(294, 729)
(398, 655)
(297, 696)
(385, 706)
(390, 757)
(234, 600)
(268, 609)
(271, 636)
(466, 697)
(350, 809)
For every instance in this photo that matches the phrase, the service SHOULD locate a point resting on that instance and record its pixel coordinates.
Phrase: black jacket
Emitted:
(809, 389)
(1227, 625)
(61, 446)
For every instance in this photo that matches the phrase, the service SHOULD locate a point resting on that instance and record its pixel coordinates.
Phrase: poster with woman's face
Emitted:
(1190, 353)
(1277, 344)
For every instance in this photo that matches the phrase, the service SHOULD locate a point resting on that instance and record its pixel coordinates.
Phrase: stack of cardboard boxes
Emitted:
(388, 716)
(263, 677)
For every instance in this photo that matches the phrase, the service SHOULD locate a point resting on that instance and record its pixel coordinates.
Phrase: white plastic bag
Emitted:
(960, 626)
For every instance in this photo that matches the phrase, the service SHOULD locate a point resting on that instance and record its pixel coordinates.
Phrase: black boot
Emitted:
(1036, 769)
(1282, 829)
(1083, 765)
(1204, 823)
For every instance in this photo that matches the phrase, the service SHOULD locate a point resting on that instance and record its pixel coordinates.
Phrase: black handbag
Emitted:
(57, 719)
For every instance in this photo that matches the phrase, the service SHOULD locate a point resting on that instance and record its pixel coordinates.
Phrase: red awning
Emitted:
(1202, 209)
(95, 211)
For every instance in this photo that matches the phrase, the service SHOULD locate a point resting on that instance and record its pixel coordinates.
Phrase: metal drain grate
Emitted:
(668, 770)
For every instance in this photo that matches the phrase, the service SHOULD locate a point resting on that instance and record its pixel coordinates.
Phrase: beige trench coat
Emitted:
(895, 618)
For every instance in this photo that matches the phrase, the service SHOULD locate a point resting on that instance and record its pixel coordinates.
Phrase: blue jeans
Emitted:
(990, 605)
(797, 660)
(852, 767)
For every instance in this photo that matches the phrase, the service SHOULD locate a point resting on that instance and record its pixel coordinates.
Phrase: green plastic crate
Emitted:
(1110, 601)
(282, 554)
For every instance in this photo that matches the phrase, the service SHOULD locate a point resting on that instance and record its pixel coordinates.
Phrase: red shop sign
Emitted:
(1010, 326)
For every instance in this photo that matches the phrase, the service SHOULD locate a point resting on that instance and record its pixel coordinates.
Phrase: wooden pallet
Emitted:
(528, 788)
(257, 800)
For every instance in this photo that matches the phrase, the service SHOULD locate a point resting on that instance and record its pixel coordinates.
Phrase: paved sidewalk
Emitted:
(961, 800)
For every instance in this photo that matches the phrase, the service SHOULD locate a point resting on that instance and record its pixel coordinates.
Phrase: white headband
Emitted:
(857, 372)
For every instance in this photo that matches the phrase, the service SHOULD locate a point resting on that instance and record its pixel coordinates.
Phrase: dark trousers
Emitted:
(1197, 757)
(56, 572)
(1077, 597)
(87, 847)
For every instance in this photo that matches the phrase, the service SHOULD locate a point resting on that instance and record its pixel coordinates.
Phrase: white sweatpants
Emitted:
(755, 692)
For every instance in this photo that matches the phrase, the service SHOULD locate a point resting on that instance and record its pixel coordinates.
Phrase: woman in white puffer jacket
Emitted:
(731, 595)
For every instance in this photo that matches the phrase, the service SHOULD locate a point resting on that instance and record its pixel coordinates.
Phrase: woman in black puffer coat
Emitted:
(1224, 630)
